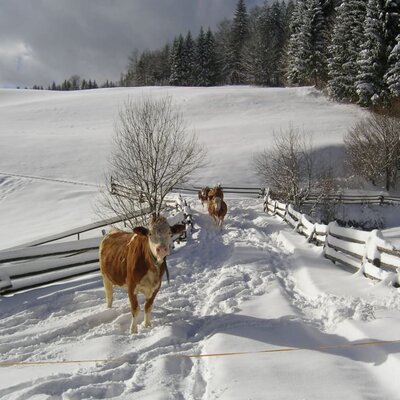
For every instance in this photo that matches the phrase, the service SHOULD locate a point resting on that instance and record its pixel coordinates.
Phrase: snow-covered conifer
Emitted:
(392, 77)
(347, 39)
(381, 29)
(177, 69)
(307, 56)
(238, 37)
(293, 71)
(188, 62)
(211, 58)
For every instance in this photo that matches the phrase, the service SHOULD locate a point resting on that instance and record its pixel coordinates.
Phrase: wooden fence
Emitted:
(367, 252)
(119, 189)
(44, 262)
(346, 198)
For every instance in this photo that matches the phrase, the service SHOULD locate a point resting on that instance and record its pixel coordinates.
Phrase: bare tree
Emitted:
(153, 152)
(288, 168)
(373, 149)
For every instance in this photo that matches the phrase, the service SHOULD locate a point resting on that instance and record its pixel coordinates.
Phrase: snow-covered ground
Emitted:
(67, 136)
(255, 288)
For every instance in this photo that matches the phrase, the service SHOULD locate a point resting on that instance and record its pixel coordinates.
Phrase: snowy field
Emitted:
(67, 136)
(271, 317)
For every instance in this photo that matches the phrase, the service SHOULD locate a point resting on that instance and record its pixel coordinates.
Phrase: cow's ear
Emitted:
(140, 230)
(177, 228)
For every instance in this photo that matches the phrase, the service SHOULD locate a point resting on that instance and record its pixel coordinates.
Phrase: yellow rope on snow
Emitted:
(209, 355)
(288, 349)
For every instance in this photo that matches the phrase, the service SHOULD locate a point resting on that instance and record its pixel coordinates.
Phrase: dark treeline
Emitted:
(249, 49)
(351, 48)
(77, 83)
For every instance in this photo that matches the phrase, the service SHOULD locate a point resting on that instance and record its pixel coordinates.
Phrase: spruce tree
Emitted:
(264, 50)
(317, 63)
(381, 30)
(238, 37)
(294, 66)
(278, 41)
(164, 68)
(211, 57)
(188, 61)
(222, 39)
(307, 56)
(371, 62)
(392, 38)
(257, 54)
(392, 77)
(205, 59)
(347, 39)
(177, 56)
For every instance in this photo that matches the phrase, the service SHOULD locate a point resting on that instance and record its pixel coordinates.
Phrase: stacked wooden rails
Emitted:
(64, 255)
(367, 252)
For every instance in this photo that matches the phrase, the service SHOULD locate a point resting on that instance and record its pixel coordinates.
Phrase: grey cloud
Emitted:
(49, 40)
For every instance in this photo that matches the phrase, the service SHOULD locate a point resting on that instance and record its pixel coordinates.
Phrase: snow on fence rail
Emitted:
(40, 262)
(367, 252)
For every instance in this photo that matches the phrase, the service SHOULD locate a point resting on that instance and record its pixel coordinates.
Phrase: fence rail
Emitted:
(40, 262)
(343, 198)
(119, 189)
(76, 231)
(368, 252)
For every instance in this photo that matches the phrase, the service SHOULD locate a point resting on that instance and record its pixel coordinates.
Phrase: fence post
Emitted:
(371, 251)
(312, 234)
(266, 200)
(327, 234)
(286, 211)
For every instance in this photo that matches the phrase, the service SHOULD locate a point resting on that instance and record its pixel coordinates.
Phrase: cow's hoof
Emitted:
(134, 328)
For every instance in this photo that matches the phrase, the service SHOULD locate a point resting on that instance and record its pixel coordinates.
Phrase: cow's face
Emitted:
(215, 197)
(204, 192)
(159, 234)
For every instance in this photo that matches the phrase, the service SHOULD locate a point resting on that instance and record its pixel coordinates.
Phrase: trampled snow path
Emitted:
(239, 289)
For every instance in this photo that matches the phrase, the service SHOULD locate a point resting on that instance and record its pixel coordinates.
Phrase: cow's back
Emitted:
(113, 256)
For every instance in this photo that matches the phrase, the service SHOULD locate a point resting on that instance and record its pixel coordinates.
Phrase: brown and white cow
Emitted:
(216, 191)
(137, 261)
(217, 208)
(203, 195)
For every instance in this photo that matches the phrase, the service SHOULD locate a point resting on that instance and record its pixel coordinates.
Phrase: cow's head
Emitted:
(215, 197)
(205, 191)
(159, 233)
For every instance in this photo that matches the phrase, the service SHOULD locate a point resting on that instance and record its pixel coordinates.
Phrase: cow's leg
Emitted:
(108, 288)
(148, 306)
(134, 308)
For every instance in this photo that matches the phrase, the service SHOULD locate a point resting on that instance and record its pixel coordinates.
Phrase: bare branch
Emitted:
(152, 152)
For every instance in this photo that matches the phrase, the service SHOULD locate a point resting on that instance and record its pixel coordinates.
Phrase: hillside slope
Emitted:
(67, 136)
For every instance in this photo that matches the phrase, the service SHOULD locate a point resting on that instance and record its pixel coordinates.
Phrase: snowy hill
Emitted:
(67, 136)
(270, 316)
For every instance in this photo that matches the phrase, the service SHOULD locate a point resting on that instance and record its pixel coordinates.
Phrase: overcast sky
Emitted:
(42, 41)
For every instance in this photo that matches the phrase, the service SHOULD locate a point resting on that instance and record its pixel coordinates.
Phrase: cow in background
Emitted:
(137, 261)
(203, 195)
(217, 208)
